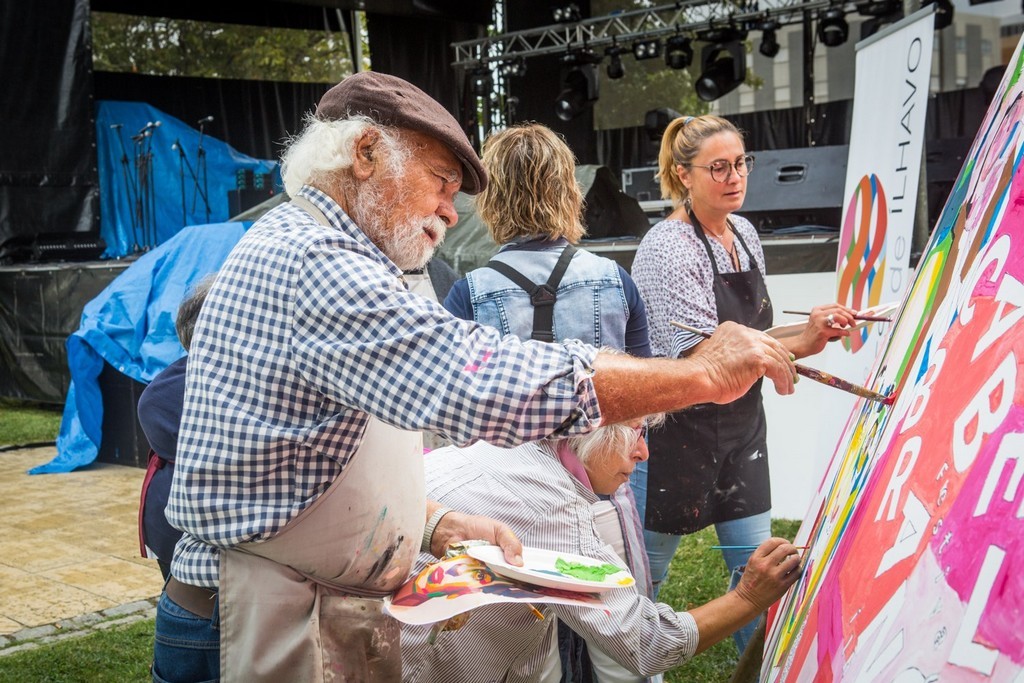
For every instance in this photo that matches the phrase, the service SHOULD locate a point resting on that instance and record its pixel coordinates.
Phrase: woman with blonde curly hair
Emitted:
(540, 286)
(703, 265)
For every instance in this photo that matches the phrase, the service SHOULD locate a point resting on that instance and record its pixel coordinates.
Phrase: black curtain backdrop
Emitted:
(254, 117)
(49, 184)
(48, 177)
(419, 50)
(543, 81)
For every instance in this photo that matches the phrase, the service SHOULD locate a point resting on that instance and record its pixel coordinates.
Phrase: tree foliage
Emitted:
(646, 85)
(181, 47)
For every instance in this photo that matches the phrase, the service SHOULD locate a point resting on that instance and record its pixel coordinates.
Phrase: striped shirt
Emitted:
(306, 332)
(528, 489)
(675, 279)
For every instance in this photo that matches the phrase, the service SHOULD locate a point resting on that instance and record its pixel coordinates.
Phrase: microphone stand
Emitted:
(141, 182)
(181, 174)
(201, 165)
(150, 233)
(183, 163)
(129, 179)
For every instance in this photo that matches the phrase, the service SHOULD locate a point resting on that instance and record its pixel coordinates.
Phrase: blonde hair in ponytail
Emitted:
(680, 145)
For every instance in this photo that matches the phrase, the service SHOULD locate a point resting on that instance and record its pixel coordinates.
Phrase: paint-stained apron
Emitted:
(419, 283)
(709, 463)
(305, 605)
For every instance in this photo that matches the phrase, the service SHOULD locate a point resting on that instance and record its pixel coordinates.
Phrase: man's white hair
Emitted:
(323, 148)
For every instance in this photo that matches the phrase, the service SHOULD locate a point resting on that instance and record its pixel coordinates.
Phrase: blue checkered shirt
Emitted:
(307, 331)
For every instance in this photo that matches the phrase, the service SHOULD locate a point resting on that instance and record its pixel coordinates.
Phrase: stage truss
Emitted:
(694, 18)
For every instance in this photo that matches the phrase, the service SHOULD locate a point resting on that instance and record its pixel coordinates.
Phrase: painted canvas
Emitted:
(915, 571)
(455, 585)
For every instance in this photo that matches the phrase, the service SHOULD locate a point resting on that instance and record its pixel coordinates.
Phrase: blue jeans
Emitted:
(661, 547)
(186, 648)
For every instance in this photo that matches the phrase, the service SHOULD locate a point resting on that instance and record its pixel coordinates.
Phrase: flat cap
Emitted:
(391, 101)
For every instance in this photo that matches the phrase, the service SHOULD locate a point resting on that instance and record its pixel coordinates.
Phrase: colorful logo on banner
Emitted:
(915, 565)
(863, 249)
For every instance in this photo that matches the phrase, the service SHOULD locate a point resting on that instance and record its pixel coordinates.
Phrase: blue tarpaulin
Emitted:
(130, 325)
(153, 185)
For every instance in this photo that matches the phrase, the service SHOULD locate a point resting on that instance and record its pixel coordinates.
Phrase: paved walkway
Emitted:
(69, 550)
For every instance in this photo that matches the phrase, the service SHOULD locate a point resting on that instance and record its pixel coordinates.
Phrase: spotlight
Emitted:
(723, 68)
(657, 120)
(879, 8)
(578, 56)
(832, 27)
(723, 33)
(516, 67)
(480, 81)
(678, 52)
(615, 69)
(769, 40)
(579, 89)
(879, 13)
(566, 13)
(872, 24)
(943, 13)
(647, 49)
(511, 105)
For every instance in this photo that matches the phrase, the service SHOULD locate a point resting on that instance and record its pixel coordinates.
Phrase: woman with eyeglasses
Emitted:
(701, 266)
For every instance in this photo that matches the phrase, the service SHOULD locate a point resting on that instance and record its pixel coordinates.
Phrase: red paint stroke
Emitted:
(475, 367)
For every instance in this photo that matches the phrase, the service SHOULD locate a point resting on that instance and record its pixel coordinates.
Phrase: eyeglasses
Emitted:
(720, 168)
(641, 432)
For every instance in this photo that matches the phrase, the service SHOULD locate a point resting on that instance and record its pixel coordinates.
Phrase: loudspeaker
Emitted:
(609, 212)
(796, 187)
(657, 120)
(122, 440)
(243, 200)
(49, 247)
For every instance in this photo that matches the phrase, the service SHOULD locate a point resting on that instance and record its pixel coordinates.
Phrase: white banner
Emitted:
(890, 102)
(886, 139)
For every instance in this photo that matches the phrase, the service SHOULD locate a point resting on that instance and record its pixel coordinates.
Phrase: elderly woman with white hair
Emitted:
(546, 492)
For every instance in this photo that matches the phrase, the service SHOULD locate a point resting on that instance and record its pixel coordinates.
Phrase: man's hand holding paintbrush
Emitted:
(762, 355)
(824, 324)
(816, 375)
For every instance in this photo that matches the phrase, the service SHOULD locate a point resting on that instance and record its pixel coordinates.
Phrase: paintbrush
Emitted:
(748, 547)
(866, 318)
(816, 375)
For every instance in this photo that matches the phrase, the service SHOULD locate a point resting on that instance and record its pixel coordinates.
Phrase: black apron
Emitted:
(709, 462)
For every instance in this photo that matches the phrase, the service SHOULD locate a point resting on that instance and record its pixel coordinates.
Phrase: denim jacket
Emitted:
(590, 305)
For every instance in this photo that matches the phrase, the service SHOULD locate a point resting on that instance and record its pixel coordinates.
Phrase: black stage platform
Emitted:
(40, 306)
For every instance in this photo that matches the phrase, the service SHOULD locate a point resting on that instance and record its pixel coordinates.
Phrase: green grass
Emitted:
(122, 654)
(698, 574)
(116, 654)
(23, 423)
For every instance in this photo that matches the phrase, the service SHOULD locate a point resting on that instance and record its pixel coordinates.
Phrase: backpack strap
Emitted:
(541, 296)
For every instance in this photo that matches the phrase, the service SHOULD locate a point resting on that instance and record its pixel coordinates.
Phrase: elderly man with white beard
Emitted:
(312, 372)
